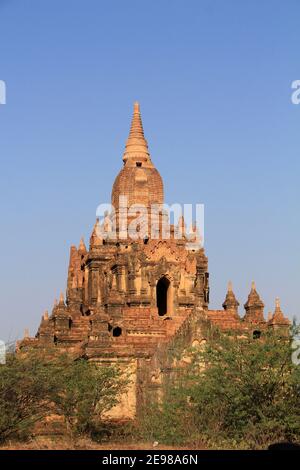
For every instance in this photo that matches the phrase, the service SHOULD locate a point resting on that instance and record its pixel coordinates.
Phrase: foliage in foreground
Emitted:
(236, 393)
(247, 396)
(34, 386)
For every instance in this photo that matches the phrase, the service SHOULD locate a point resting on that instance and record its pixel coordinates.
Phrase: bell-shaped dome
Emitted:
(138, 181)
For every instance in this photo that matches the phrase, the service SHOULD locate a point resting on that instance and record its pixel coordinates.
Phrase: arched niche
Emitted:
(164, 296)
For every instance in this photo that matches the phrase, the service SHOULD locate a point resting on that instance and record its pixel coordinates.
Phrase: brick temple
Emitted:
(133, 302)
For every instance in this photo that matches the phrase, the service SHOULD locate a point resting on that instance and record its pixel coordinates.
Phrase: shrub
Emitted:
(249, 391)
(236, 393)
(23, 388)
(33, 386)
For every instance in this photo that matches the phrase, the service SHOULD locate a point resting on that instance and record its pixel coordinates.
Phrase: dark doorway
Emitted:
(162, 295)
(117, 331)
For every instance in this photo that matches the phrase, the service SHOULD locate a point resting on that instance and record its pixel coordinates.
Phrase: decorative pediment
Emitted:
(163, 249)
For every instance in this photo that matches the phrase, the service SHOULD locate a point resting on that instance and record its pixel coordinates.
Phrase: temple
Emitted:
(133, 301)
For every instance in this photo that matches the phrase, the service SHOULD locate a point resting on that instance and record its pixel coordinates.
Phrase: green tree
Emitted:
(24, 389)
(85, 391)
(248, 392)
(238, 392)
(35, 385)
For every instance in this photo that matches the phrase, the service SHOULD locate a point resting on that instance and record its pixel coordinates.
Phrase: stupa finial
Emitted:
(136, 145)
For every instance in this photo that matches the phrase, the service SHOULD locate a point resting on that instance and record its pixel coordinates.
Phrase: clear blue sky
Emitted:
(214, 82)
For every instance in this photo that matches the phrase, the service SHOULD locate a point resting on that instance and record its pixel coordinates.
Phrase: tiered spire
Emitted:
(96, 238)
(46, 329)
(61, 299)
(46, 315)
(136, 148)
(138, 182)
(82, 247)
(230, 302)
(59, 308)
(254, 299)
(278, 317)
(254, 306)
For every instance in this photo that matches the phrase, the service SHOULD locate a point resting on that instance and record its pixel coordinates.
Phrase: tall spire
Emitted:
(61, 299)
(278, 312)
(254, 299)
(96, 238)
(82, 247)
(278, 318)
(230, 303)
(254, 306)
(46, 315)
(136, 148)
(136, 130)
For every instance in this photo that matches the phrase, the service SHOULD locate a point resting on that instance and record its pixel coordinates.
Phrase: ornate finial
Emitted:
(55, 302)
(136, 129)
(97, 234)
(254, 305)
(26, 333)
(81, 246)
(230, 302)
(46, 315)
(278, 316)
(277, 312)
(61, 298)
(136, 145)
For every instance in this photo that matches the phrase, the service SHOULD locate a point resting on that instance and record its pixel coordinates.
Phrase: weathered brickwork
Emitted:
(135, 302)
